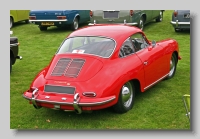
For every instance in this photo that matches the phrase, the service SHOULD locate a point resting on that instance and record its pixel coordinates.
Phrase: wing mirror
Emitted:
(153, 43)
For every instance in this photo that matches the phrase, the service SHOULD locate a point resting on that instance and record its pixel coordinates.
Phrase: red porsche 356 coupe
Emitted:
(102, 66)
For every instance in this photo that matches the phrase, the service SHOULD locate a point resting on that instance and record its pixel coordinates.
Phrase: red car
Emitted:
(102, 66)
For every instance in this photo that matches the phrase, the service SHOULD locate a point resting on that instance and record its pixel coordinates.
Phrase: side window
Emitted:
(126, 48)
(139, 41)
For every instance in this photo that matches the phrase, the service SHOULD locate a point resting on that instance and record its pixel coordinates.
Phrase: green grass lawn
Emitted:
(160, 107)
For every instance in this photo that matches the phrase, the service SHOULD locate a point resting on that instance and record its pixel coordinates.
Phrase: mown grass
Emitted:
(160, 107)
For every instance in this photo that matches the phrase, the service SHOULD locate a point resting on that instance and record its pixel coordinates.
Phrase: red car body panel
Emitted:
(104, 76)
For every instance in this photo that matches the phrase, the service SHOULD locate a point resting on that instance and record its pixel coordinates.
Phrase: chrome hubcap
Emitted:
(76, 24)
(172, 66)
(160, 16)
(127, 94)
(141, 24)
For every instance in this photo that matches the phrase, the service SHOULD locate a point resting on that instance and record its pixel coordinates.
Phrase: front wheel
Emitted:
(125, 99)
(173, 64)
(141, 23)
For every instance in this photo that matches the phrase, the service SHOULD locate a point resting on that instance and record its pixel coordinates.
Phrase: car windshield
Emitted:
(93, 45)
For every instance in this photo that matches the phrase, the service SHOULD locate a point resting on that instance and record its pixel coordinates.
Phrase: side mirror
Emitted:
(153, 43)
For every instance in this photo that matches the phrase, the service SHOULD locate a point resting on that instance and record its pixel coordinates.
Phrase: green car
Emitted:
(18, 15)
(130, 17)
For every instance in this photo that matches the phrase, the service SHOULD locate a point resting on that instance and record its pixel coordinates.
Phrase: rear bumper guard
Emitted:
(77, 104)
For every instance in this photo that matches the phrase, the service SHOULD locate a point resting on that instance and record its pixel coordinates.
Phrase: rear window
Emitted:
(92, 45)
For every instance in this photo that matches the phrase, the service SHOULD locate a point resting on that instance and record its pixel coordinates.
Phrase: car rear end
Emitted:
(48, 17)
(112, 17)
(181, 19)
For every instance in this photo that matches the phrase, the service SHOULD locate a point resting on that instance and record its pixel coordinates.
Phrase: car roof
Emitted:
(112, 31)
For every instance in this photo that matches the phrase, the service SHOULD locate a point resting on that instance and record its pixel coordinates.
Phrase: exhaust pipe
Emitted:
(75, 104)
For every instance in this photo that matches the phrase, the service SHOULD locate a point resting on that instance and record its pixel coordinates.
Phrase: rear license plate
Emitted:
(110, 14)
(47, 23)
(186, 15)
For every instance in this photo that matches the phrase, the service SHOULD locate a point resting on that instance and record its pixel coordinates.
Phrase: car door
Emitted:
(155, 13)
(148, 15)
(151, 57)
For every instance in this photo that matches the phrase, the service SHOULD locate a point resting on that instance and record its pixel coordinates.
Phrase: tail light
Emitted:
(89, 94)
(91, 13)
(175, 13)
(131, 12)
(32, 17)
(61, 17)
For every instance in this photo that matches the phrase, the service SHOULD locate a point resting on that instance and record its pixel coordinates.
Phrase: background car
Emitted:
(181, 20)
(103, 66)
(59, 18)
(14, 50)
(130, 17)
(18, 15)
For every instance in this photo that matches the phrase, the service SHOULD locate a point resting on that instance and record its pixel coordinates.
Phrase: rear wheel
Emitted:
(74, 25)
(11, 22)
(125, 99)
(27, 21)
(160, 17)
(173, 64)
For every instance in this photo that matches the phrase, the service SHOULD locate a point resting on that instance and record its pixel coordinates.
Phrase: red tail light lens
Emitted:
(175, 13)
(61, 17)
(91, 13)
(32, 17)
(131, 12)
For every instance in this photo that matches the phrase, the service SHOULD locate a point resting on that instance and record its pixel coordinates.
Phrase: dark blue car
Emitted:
(59, 18)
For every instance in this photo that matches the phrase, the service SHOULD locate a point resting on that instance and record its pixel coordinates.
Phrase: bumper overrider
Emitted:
(79, 104)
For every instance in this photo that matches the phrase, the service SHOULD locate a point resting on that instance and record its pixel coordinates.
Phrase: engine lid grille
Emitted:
(68, 67)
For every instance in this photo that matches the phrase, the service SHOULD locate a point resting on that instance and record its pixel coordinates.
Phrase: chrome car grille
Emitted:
(68, 67)
(59, 89)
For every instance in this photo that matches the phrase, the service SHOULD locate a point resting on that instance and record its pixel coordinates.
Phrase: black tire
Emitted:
(11, 22)
(160, 17)
(42, 28)
(126, 98)
(27, 21)
(173, 65)
(10, 65)
(75, 24)
(141, 23)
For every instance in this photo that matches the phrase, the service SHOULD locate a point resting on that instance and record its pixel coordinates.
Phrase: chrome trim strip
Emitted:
(14, 44)
(71, 103)
(180, 23)
(156, 81)
(62, 20)
(97, 103)
(133, 24)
